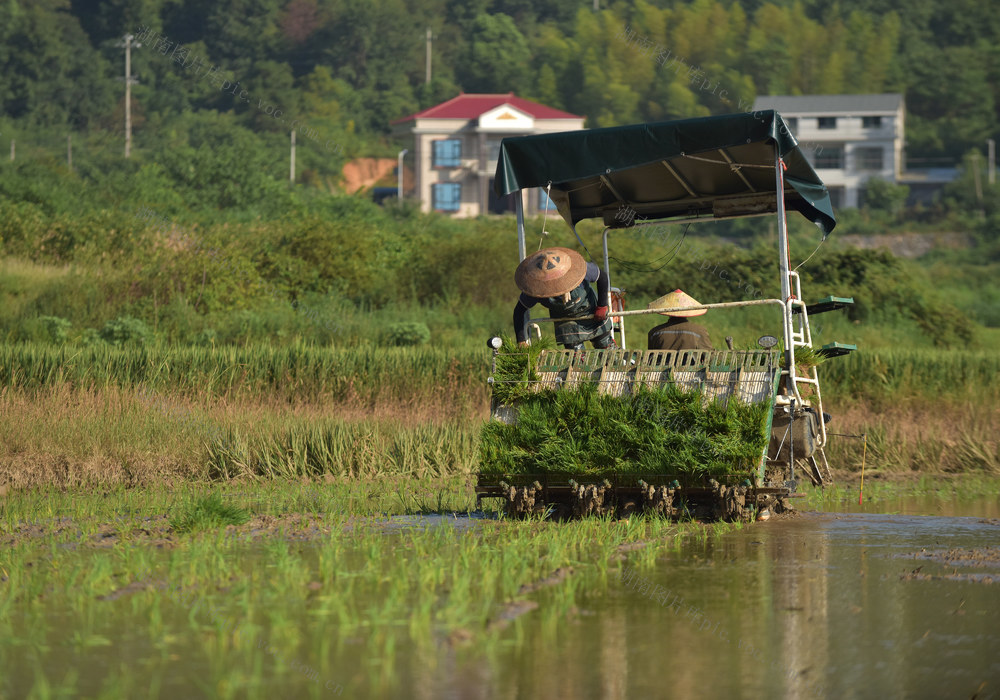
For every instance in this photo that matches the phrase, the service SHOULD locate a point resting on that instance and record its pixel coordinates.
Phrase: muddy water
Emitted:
(851, 605)
(900, 604)
(928, 504)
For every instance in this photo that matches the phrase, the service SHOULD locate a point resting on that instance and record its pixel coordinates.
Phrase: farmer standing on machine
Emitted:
(559, 279)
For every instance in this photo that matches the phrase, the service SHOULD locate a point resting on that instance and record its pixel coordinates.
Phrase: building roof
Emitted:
(830, 104)
(471, 106)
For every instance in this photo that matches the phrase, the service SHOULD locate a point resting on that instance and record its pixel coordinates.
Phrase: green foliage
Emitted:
(56, 329)
(90, 337)
(126, 330)
(242, 253)
(887, 290)
(497, 55)
(221, 165)
(885, 198)
(407, 333)
(207, 337)
(348, 69)
(661, 431)
(206, 513)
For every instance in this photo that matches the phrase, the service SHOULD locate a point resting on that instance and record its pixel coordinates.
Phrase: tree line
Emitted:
(344, 69)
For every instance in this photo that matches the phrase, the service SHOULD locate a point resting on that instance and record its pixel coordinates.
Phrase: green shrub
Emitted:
(407, 333)
(90, 337)
(48, 329)
(208, 337)
(126, 330)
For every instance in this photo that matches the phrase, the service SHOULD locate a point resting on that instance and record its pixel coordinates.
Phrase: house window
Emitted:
(869, 158)
(830, 157)
(827, 122)
(494, 145)
(447, 196)
(836, 196)
(544, 202)
(793, 124)
(871, 122)
(448, 153)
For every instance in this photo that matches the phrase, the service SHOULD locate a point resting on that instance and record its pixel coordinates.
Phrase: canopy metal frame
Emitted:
(795, 320)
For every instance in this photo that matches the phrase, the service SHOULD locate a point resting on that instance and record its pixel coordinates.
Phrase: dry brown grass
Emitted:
(917, 435)
(66, 437)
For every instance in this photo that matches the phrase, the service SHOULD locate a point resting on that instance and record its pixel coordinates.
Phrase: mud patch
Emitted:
(557, 577)
(509, 613)
(459, 521)
(955, 559)
(984, 556)
(513, 610)
(916, 575)
(155, 531)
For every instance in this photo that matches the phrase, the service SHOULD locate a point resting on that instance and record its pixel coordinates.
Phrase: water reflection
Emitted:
(813, 606)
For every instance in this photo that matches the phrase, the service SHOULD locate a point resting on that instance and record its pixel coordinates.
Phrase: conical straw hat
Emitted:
(550, 272)
(676, 300)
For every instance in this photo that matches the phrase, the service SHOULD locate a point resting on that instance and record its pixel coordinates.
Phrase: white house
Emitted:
(847, 138)
(455, 146)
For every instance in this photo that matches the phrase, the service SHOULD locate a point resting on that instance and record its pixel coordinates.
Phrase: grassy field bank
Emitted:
(138, 416)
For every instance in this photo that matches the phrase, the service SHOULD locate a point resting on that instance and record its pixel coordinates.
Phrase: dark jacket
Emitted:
(679, 334)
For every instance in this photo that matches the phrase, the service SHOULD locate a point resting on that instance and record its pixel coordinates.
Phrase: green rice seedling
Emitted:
(294, 372)
(206, 513)
(806, 357)
(357, 449)
(655, 431)
(516, 367)
(361, 596)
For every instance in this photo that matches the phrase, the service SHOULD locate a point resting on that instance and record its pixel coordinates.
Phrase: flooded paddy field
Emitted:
(368, 590)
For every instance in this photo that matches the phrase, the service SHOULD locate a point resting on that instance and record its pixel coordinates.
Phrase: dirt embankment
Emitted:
(367, 172)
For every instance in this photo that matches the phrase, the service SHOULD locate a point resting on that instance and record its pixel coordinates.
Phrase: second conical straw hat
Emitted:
(677, 299)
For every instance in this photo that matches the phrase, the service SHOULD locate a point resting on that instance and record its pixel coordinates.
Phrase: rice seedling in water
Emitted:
(206, 513)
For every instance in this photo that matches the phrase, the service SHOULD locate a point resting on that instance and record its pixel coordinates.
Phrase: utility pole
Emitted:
(430, 38)
(991, 160)
(291, 168)
(127, 43)
(979, 185)
(975, 175)
(399, 175)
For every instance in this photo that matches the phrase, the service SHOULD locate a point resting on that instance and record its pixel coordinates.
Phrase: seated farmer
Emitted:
(559, 279)
(678, 333)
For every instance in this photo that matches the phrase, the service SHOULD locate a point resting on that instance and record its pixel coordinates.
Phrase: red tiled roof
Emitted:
(472, 106)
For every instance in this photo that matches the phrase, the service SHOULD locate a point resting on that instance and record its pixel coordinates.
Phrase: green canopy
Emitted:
(712, 166)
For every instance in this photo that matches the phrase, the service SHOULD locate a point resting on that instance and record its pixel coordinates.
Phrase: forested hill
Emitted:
(346, 68)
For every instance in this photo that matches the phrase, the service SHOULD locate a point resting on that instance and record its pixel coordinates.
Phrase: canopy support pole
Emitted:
(736, 169)
(607, 259)
(677, 176)
(779, 184)
(519, 209)
(784, 265)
